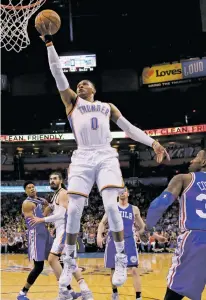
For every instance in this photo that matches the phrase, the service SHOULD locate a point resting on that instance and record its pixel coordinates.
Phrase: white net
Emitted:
(14, 22)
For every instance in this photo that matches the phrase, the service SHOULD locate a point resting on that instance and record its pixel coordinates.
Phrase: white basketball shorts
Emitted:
(59, 241)
(90, 165)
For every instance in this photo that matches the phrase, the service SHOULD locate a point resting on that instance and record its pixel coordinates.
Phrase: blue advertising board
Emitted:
(194, 68)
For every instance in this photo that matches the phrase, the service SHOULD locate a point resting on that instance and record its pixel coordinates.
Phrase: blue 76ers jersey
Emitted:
(38, 212)
(193, 204)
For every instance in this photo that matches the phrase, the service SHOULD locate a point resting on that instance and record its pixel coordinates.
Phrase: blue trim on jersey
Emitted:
(157, 208)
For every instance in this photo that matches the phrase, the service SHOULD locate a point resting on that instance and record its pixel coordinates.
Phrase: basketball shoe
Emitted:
(70, 267)
(120, 273)
(75, 295)
(87, 295)
(64, 295)
(22, 297)
(115, 296)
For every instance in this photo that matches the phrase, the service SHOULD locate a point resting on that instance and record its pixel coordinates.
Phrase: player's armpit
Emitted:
(68, 98)
(28, 208)
(175, 185)
(115, 113)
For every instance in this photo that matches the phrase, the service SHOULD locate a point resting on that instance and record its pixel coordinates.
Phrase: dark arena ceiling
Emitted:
(123, 34)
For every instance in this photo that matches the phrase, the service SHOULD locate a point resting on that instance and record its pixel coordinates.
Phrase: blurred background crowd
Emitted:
(13, 228)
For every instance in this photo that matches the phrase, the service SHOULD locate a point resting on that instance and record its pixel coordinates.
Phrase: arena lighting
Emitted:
(60, 124)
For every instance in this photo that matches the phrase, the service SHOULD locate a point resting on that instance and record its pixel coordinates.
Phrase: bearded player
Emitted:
(94, 160)
(187, 275)
(58, 207)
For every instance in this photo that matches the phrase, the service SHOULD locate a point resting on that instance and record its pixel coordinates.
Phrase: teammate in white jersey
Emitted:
(94, 160)
(58, 207)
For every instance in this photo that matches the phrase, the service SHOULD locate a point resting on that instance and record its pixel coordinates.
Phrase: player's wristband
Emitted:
(48, 39)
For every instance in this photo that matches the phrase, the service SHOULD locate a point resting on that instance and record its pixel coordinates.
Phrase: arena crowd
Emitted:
(14, 231)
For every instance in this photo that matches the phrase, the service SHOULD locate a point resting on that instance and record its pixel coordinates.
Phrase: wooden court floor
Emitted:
(153, 268)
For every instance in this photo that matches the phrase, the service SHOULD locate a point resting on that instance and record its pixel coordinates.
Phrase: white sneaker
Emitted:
(66, 275)
(64, 295)
(87, 295)
(120, 274)
(115, 296)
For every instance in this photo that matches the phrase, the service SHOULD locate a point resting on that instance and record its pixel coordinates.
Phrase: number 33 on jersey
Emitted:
(193, 204)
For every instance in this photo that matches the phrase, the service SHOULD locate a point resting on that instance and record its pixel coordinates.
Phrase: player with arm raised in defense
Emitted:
(94, 160)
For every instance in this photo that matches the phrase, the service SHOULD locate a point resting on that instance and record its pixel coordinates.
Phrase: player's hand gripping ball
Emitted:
(47, 22)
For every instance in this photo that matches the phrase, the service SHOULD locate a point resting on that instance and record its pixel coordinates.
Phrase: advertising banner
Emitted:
(194, 68)
(162, 73)
(115, 134)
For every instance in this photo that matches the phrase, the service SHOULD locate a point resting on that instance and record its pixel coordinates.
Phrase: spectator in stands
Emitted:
(14, 226)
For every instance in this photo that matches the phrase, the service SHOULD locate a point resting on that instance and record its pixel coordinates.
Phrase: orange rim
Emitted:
(11, 7)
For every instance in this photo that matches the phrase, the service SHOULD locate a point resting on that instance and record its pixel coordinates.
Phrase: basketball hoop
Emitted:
(14, 22)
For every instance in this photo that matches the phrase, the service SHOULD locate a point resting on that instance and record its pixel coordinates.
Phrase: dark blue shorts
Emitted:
(130, 251)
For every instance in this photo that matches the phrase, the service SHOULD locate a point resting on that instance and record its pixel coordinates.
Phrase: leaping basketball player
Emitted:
(131, 220)
(187, 275)
(58, 206)
(39, 238)
(94, 160)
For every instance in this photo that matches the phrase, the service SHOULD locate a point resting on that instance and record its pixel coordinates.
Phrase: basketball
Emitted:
(49, 16)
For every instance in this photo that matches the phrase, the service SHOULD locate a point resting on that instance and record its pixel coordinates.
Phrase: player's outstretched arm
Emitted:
(137, 134)
(68, 96)
(161, 203)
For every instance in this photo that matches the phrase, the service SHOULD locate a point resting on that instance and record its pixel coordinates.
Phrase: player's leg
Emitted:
(133, 259)
(37, 254)
(33, 275)
(57, 268)
(56, 251)
(171, 295)
(110, 183)
(115, 295)
(109, 262)
(81, 180)
(54, 263)
(189, 258)
(136, 283)
(85, 292)
(79, 279)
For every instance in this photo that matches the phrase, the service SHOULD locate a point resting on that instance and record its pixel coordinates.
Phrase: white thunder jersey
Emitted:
(90, 123)
(55, 206)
